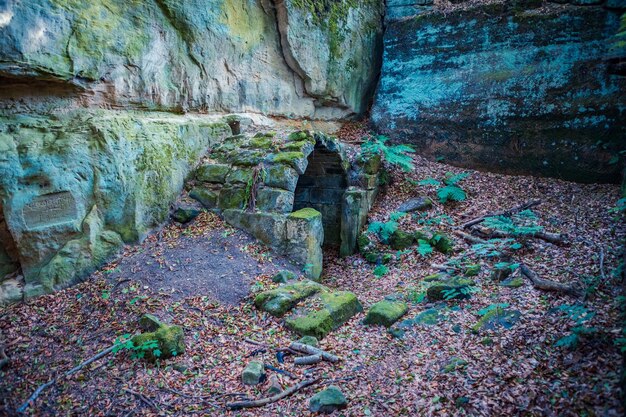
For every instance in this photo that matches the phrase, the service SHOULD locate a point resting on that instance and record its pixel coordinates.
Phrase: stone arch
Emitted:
(322, 187)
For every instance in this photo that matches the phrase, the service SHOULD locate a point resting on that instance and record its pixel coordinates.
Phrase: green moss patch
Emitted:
(385, 313)
(279, 301)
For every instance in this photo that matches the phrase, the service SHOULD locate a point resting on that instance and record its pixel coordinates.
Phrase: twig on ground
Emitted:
(468, 237)
(301, 347)
(507, 213)
(308, 360)
(547, 285)
(143, 398)
(555, 238)
(264, 401)
(280, 371)
(77, 368)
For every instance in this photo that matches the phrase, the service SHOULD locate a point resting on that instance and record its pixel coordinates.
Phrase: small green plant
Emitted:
(380, 270)
(520, 224)
(580, 315)
(136, 352)
(393, 154)
(424, 248)
(448, 190)
(461, 292)
(384, 230)
(498, 307)
(494, 248)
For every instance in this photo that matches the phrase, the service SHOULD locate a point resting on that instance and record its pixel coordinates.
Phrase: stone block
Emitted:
(280, 176)
(254, 373)
(326, 195)
(269, 228)
(305, 236)
(233, 198)
(240, 175)
(274, 200)
(353, 217)
(328, 401)
(385, 313)
(212, 173)
(208, 197)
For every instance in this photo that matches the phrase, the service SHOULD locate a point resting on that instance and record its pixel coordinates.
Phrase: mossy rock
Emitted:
(262, 142)
(363, 242)
(282, 277)
(184, 215)
(328, 401)
(240, 175)
(422, 235)
(246, 158)
(279, 301)
(212, 173)
(149, 323)
(281, 176)
(500, 274)
(401, 240)
(296, 160)
(385, 313)
(233, 198)
(451, 289)
(309, 340)
(324, 313)
(170, 342)
(442, 243)
(254, 373)
(378, 257)
(435, 277)
(498, 317)
(205, 196)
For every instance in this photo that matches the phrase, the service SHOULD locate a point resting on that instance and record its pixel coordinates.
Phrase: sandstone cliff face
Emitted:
(198, 55)
(519, 87)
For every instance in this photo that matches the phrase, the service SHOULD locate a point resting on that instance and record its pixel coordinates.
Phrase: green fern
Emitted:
(424, 248)
(381, 270)
(453, 179)
(451, 193)
(522, 224)
(392, 154)
(430, 181)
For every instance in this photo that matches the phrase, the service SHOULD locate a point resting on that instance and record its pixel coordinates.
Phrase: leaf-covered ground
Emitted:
(519, 371)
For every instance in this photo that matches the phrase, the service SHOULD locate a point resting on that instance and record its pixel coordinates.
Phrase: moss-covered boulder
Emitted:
(279, 301)
(401, 240)
(328, 401)
(309, 340)
(385, 313)
(206, 196)
(284, 276)
(254, 373)
(184, 215)
(513, 282)
(451, 289)
(212, 173)
(497, 317)
(323, 313)
(472, 270)
(170, 341)
(442, 243)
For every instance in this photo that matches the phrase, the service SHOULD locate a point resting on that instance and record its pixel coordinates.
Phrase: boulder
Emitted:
(206, 196)
(212, 173)
(279, 301)
(254, 373)
(328, 401)
(309, 340)
(184, 215)
(401, 240)
(442, 243)
(416, 204)
(385, 313)
(514, 282)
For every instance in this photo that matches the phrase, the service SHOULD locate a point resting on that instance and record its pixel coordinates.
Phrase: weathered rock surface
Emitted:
(327, 401)
(505, 86)
(267, 56)
(73, 188)
(385, 313)
(309, 308)
(169, 339)
(254, 373)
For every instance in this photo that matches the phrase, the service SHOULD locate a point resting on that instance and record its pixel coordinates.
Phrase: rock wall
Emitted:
(74, 188)
(515, 86)
(276, 57)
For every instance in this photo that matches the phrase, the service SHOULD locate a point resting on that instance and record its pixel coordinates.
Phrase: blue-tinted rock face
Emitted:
(507, 88)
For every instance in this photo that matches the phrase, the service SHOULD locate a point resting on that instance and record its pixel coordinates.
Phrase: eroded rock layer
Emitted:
(516, 86)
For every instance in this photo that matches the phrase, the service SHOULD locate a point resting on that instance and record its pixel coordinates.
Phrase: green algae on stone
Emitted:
(442, 243)
(184, 215)
(279, 301)
(385, 313)
(327, 401)
(514, 282)
(212, 173)
(305, 213)
(205, 196)
(450, 289)
(309, 340)
(497, 317)
(284, 276)
(336, 308)
(401, 240)
(472, 270)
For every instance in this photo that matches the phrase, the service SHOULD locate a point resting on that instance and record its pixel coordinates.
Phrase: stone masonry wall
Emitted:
(322, 187)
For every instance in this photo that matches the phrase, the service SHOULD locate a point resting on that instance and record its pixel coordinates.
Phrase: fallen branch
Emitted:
(546, 284)
(264, 401)
(4, 359)
(280, 371)
(468, 237)
(143, 398)
(77, 368)
(507, 213)
(308, 360)
(301, 347)
(555, 238)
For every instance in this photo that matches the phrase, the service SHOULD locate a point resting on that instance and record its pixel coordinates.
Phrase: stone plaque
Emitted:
(50, 209)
